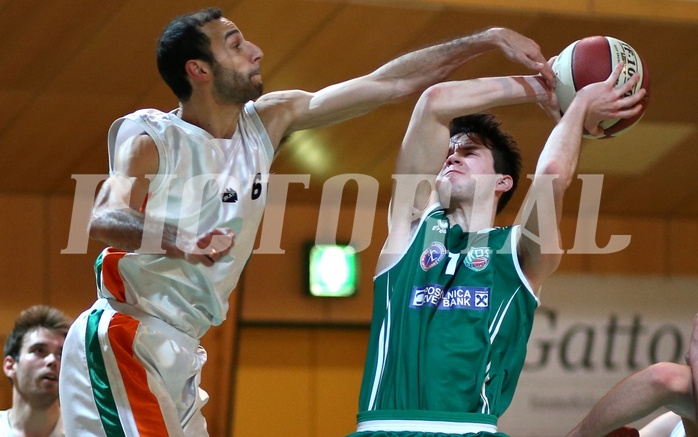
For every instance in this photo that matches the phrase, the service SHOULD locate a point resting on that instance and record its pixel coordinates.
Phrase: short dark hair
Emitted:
(181, 41)
(486, 130)
(38, 316)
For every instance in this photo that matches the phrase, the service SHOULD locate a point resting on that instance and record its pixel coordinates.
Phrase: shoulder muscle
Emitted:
(138, 156)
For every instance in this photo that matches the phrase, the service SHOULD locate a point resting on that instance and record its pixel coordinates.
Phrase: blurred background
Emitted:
(285, 362)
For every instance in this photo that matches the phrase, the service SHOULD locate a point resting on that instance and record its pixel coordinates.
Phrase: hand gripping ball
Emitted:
(592, 59)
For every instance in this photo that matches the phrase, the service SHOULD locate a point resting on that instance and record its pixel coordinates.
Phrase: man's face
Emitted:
(236, 70)
(35, 373)
(468, 164)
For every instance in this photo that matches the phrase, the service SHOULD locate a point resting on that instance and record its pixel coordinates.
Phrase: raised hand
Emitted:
(523, 50)
(605, 101)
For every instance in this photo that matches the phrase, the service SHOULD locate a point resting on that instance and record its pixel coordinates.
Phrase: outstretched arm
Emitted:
(667, 385)
(640, 394)
(539, 249)
(287, 111)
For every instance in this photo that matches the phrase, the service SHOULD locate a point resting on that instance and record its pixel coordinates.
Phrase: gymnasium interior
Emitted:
(286, 362)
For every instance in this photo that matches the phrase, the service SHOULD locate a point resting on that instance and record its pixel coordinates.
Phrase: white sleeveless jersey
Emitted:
(202, 183)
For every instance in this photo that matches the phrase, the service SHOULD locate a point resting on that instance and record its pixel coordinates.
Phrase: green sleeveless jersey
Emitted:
(451, 320)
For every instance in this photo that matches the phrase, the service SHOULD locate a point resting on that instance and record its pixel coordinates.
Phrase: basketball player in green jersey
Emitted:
(455, 297)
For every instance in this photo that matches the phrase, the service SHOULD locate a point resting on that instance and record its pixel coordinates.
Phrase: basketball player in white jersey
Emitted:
(182, 205)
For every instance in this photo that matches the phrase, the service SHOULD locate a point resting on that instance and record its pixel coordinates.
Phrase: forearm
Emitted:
(632, 399)
(642, 393)
(399, 78)
(129, 230)
(560, 154)
(415, 71)
(449, 100)
(119, 229)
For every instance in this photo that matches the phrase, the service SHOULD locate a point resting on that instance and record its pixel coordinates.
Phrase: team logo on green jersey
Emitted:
(478, 258)
(441, 226)
(432, 255)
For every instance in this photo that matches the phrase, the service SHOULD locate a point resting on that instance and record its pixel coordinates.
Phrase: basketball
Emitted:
(592, 59)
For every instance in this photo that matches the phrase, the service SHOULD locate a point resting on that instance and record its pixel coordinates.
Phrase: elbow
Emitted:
(433, 95)
(432, 101)
(551, 167)
(557, 170)
(420, 82)
(98, 227)
(95, 228)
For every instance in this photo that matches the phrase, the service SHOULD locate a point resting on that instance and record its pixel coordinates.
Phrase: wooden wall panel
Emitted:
(339, 368)
(681, 250)
(298, 382)
(646, 253)
(358, 308)
(22, 263)
(674, 10)
(71, 284)
(5, 387)
(218, 374)
(273, 283)
(570, 6)
(22, 237)
(571, 262)
(269, 359)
